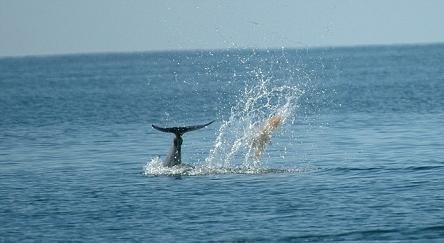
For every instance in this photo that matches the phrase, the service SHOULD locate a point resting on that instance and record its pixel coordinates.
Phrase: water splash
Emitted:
(258, 102)
(267, 94)
(232, 151)
(155, 168)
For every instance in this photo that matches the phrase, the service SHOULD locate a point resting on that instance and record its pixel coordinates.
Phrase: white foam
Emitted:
(155, 168)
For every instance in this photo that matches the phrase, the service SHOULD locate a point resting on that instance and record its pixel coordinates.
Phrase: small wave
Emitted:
(372, 234)
(418, 234)
(386, 168)
(425, 167)
(347, 169)
(156, 168)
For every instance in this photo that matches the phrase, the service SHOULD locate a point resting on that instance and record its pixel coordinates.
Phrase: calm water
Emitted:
(360, 155)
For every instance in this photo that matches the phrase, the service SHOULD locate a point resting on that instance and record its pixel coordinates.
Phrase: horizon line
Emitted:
(307, 47)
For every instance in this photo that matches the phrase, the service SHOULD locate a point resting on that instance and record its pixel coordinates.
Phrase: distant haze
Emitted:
(56, 27)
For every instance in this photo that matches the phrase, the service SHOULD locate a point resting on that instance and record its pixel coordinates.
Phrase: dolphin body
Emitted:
(174, 157)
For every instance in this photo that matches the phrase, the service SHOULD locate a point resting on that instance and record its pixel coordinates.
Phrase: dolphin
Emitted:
(174, 157)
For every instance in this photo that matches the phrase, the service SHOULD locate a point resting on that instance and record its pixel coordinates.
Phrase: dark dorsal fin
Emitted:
(180, 130)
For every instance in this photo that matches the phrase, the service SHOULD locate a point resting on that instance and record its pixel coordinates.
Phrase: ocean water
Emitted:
(359, 155)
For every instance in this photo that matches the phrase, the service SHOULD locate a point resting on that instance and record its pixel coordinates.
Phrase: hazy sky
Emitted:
(82, 26)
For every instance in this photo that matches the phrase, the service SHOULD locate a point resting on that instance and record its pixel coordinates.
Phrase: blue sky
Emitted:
(55, 26)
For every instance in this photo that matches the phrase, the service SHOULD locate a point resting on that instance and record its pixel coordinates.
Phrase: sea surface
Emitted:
(359, 155)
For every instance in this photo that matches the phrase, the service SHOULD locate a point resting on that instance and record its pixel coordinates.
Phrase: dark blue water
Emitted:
(359, 157)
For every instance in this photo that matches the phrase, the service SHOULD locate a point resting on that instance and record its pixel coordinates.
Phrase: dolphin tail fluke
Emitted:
(179, 131)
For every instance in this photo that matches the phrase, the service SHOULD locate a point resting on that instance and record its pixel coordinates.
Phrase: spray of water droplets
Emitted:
(258, 102)
(265, 95)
